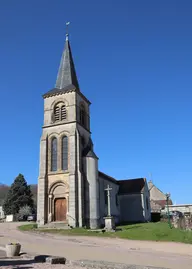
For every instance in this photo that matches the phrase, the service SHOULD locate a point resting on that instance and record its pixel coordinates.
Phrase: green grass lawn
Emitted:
(143, 231)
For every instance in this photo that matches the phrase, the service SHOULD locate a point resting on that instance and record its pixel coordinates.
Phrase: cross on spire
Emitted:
(66, 77)
(67, 30)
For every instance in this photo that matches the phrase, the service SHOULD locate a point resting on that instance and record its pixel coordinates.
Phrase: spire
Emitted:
(66, 75)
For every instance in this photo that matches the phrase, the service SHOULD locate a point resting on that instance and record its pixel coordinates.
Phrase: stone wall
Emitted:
(184, 222)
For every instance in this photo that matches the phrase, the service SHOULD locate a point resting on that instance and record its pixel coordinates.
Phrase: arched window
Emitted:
(82, 115)
(65, 153)
(60, 112)
(54, 154)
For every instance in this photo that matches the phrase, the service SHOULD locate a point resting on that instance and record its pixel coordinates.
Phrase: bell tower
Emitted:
(65, 136)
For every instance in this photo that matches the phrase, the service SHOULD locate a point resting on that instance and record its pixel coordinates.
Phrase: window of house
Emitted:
(64, 153)
(54, 154)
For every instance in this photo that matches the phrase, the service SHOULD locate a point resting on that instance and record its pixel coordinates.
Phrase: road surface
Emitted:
(144, 253)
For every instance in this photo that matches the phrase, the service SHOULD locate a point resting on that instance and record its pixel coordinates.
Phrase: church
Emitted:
(71, 189)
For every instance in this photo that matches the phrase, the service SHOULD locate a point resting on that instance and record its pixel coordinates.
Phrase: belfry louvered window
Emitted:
(65, 153)
(57, 113)
(60, 112)
(54, 154)
(63, 112)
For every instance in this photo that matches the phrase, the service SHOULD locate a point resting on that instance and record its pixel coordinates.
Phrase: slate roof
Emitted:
(158, 205)
(129, 186)
(163, 203)
(101, 174)
(66, 78)
(56, 91)
(92, 154)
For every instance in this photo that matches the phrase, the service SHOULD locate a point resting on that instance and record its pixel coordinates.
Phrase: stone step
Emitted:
(57, 225)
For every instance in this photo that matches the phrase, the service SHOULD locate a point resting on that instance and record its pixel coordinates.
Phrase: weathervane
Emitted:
(67, 29)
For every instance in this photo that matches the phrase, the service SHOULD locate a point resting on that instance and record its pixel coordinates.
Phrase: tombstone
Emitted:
(109, 220)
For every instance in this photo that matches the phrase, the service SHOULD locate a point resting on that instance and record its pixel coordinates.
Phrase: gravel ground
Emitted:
(60, 266)
(2, 253)
(46, 266)
(26, 264)
(141, 254)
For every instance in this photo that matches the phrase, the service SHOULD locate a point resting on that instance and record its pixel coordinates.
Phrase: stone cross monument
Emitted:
(109, 220)
(108, 189)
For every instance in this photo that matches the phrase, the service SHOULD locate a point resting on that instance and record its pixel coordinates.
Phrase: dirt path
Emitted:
(164, 255)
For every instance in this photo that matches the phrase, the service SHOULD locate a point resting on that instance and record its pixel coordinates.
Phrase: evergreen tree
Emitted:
(18, 196)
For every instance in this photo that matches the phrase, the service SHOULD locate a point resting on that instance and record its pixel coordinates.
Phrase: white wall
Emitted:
(182, 208)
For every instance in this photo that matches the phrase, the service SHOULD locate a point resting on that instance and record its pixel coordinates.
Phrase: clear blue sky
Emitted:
(134, 63)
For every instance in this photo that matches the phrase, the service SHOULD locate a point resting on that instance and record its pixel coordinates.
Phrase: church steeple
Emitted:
(66, 77)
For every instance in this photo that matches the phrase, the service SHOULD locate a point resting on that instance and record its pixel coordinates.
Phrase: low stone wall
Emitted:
(184, 223)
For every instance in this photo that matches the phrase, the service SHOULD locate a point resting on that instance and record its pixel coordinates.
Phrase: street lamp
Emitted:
(167, 200)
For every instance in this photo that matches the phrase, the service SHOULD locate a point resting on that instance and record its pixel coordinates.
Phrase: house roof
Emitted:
(129, 186)
(163, 203)
(157, 205)
(101, 174)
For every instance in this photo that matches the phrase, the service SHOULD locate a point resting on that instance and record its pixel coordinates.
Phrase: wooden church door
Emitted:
(60, 209)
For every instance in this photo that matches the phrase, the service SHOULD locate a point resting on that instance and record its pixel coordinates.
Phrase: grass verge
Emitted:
(28, 227)
(142, 231)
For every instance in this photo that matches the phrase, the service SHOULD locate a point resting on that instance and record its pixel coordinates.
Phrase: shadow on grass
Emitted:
(131, 227)
(129, 223)
(118, 229)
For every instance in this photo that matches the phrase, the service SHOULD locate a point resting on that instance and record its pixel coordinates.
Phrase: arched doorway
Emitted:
(60, 209)
(58, 202)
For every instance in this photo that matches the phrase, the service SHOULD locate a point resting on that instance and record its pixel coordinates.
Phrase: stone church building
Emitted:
(71, 189)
